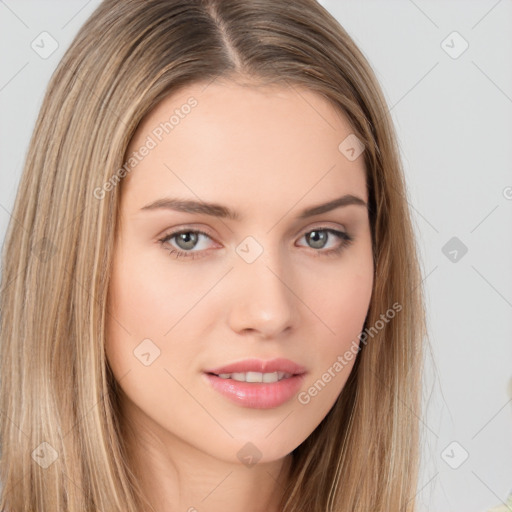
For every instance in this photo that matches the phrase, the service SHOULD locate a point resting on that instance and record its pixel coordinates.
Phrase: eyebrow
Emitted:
(218, 210)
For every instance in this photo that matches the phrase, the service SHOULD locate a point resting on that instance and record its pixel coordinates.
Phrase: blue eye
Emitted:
(189, 240)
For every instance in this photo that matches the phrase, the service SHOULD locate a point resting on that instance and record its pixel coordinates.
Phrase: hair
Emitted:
(56, 385)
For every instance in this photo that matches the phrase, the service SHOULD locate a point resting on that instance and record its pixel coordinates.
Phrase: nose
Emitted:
(262, 298)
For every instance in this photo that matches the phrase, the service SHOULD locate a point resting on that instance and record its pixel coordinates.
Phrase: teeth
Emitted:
(255, 376)
(267, 377)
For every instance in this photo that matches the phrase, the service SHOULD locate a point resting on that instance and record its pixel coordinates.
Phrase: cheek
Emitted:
(340, 299)
(147, 299)
(139, 307)
(142, 342)
(344, 311)
(342, 294)
(346, 304)
(153, 310)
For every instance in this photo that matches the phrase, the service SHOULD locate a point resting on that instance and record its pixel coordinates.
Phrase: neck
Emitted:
(175, 475)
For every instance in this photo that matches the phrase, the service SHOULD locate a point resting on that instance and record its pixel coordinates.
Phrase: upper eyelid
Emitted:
(167, 237)
(187, 229)
(172, 234)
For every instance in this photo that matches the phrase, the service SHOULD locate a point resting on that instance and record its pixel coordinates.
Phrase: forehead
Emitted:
(244, 144)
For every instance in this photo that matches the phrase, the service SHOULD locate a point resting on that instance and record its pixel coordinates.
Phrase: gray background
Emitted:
(452, 111)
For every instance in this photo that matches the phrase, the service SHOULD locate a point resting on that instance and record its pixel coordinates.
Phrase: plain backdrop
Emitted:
(446, 71)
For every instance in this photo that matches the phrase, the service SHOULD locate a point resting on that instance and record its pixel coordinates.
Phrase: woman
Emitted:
(273, 362)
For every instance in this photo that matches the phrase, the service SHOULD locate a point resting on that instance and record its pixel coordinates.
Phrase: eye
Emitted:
(318, 238)
(185, 240)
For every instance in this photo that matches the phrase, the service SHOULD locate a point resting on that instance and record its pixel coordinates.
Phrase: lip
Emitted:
(259, 365)
(257, 395)
(264, 395)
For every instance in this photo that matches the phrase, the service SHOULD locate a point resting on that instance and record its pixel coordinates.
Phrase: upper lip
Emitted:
(259, 365)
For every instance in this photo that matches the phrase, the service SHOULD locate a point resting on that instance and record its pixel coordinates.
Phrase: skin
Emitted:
(268, 153)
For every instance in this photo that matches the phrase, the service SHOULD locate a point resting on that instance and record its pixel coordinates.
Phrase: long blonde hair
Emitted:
(61, 438)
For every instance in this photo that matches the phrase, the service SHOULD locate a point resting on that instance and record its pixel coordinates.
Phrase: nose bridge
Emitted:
(262, 299)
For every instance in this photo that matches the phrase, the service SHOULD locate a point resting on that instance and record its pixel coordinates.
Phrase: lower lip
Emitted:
(264, 395)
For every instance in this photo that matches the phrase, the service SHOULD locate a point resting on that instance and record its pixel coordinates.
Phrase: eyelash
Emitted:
(178, 253)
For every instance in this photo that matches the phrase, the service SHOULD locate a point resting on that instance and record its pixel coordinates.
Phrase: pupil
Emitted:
(318, 238)
(190, 239)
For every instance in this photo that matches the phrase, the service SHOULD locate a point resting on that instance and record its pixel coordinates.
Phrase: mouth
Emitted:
(258, 370)
(257, 384)
(254, 377)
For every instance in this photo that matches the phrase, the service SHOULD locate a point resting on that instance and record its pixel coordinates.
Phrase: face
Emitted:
(262, 275)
